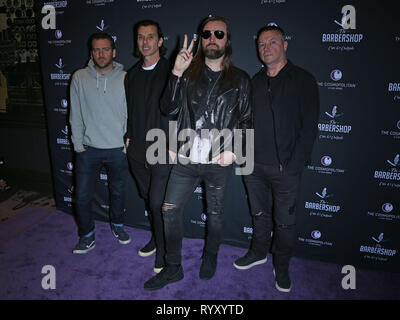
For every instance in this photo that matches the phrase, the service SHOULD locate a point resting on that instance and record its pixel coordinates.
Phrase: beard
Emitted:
(103, 66)
(213, 53)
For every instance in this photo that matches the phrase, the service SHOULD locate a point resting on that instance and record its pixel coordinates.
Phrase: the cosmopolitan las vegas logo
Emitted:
(59, 41)
(97, 3)
(386, 212)
(336, 75)
(326, 166)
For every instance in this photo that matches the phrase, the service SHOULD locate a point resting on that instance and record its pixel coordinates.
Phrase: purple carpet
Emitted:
(35, 238)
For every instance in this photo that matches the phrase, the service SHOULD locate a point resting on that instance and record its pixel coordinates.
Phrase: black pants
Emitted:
(183, 181)
(152, 182)
(272, 195)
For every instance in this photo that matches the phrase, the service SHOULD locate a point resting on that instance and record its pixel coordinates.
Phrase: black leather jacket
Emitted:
(231, 105)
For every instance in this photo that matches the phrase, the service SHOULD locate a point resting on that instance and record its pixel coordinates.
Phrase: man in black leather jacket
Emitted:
(144, 85)
(208, 93)
(286, 111)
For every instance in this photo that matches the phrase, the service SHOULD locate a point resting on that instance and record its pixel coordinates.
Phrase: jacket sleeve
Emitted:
(245, 121)
(309, 115)
(171, 101)
(75, 116)
(128, 134)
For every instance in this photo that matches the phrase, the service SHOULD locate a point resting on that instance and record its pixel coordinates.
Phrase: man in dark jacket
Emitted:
(208, 93)
(286, 111)
(144, 85)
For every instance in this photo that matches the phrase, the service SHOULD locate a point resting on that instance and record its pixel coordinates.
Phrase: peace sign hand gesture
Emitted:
(184, 57)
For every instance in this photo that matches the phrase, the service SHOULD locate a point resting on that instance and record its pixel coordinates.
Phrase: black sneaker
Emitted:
(167, 275)
(282, 281)
(120, 234)
(208, 266)
(84, 245)
(249, 260)
(148, 249)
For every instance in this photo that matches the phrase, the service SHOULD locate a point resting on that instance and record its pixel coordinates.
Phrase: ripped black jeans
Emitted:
(182, 182)
(273, 195)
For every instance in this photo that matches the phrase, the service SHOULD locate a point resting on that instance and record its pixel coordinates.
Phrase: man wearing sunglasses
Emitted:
(286, 109)
(204, 91)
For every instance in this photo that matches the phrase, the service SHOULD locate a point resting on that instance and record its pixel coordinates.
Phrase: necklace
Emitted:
(212, 89)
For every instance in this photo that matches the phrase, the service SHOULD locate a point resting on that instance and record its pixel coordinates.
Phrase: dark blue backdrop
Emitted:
(349, 206)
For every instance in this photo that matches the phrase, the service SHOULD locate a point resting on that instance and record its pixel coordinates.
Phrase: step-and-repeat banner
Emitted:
(349, 206)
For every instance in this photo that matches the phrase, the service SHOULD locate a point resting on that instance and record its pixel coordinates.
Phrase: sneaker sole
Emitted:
(250, 265)
(125, 241)
(281, 289)
(83, 251)
(157, 270)
(171, 281)
(122, 241)
(278, 287)
(146, 254)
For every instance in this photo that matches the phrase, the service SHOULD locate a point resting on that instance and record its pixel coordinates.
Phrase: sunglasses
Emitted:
(218, 34)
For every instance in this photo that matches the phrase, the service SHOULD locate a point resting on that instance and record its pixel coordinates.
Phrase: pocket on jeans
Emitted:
(86, 148)
(81, 152)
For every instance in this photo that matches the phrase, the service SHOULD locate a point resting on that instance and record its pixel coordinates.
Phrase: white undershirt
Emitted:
(151, 67)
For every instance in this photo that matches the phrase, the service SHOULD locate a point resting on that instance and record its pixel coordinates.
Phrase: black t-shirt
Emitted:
(264, 133)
